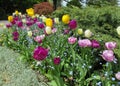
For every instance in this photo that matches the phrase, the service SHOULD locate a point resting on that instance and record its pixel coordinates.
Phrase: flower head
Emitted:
(49, 22)
(10, 18)
(39, 38)
(19, 23)
(108, 55)
(117, 75)
(29, 33)
(110, 45)
(40, 25)
(72, 24)
(80, 31)
(15, 35)
(118, 30)
(84, 43)
(30, 11)
(88, 33)
(56, 60)
(72, 40)
(56, 20)
(40, 53)
(48, 30)
(66, 19)
(95, 44)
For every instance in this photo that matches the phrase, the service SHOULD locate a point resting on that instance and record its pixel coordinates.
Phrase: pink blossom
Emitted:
(84, 43)
(39, 38)
(8, 25)
(117, 75)
(95, 44)
(56, 60)
(54, 30)
(73, 24)
(110, 45)
(108, 55)
(40, 53)
(72, 40)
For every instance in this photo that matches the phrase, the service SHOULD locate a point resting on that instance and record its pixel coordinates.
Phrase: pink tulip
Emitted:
(56, 60)
(72, 40)
(95, 44)
(54, 30)
(84, 43)
(108, 55)
(39, 38)
(110, 45)
(117, 75)
(73, 24)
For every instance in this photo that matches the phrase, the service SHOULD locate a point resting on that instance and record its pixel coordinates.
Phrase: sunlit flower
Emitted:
(49, 22)
(80, 31)
(40, 53)
(10, 18)
(72, 40)
(30, 11)
(110, 45)
(73, 24)
(48, 30)
(118, 30)
(66, 19)
(117, 75)
(84, 43)
(88, 33)
(56, 60)
(108, 55)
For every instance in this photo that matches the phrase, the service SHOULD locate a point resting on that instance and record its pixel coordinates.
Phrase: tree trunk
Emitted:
(55, 4)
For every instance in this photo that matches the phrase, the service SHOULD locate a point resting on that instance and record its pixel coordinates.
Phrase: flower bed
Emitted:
(64, 53)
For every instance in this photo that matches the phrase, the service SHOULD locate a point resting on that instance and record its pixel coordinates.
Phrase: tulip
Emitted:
(66, 19)
(80, 31)
(108, 55)
(49, 22)
(48, 30)
(40, 25)
(56, 60)
(29, 33)
(56, 20)
(30, 11)
(72, 24)
(110, 45)
(54, 30)
(88, 33)
(72, 40)
(95, 44)
(40, 53)
(84, 43)
(117, 75)
(10, 18)
(118, 30)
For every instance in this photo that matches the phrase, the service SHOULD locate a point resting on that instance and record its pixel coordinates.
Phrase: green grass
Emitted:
(16, 73)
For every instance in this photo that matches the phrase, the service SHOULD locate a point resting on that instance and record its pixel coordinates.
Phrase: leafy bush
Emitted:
(43, 8)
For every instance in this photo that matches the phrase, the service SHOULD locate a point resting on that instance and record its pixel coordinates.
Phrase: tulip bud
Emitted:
(29, 33)
(118, 30)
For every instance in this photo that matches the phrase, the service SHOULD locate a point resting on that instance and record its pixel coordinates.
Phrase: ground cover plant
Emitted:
(62, 51)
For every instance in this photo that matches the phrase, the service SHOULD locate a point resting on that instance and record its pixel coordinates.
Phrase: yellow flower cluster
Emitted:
(30, 12)
(66, 19)
(49, 22)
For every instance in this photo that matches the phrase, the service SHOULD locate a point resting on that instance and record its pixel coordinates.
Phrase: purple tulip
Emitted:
(95, 44)
(29, 23)
(56, 60)
(117, 75)
(8, 25)
(72, 40)
(108, 55)
(19, 23)
(84, 43)
(15, 35)
(40, 53)
(72, 24)
(110, 45)
(40, 25)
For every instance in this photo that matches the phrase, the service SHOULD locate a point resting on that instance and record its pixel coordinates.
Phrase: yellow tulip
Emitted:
(49, 22)
(48, 30)
(10, 18)
(66, 19)
(118, 30)
(80, 31)
(29, 33)
(16, 12)
(30, 11)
